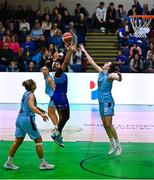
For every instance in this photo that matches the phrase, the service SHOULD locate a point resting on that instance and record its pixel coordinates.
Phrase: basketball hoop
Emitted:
(140, 24)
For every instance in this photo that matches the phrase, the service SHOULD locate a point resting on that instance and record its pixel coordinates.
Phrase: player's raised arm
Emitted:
(90, 59)
(69, 53)
(115, 76)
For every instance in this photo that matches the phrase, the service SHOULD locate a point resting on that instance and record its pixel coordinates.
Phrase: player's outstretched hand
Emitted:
(82, 48)
(71, 48)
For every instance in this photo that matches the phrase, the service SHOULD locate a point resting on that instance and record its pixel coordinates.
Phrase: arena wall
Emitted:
(82, 88)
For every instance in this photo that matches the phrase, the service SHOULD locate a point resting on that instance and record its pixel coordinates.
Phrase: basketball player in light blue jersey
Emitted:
(107, 74)
(25, 124)
(49, 90)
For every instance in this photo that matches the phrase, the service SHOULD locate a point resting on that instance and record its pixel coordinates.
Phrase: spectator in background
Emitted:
(54, 14)
(80, 10)
(135, 48)
(7, 35)
(14, 45)
(47, 59)
(11, 26)
(60, 23)
(148, 65)
(13, 66)
(6, 55)
(51, 50)
(37, 17)
(151, 49)
(124, 62)
(100, 21)
(56, 39)
(142, 10)
(76, 65)
(136, 64)
(132, 11)
(36, 31)
(66, 19)
(2, 27)
(24, 26)
(29, 46)
(29, 13)
(81, 29)
(46, 25)
(19, 13)
(61, 8)
(152, 10)
(46, 12)
(121, 13)
(54, 29)
(111, 19)
(32, 67)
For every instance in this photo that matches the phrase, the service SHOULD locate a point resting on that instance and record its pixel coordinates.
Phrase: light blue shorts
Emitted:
(106, 108)
(51, 103)
(26, 125)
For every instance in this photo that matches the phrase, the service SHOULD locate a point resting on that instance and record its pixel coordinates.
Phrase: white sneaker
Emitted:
(111, 150)
(55, 133)
(46, 166)
(118, 150)
(10, 165)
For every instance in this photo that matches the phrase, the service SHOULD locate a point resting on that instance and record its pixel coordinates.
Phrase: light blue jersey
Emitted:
(25, 110)
(106, 102)
(25, 123)
(49, 91)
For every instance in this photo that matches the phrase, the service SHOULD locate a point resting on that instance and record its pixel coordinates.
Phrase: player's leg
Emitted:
(107, 125)
(20, 135)
(39, 149)
(31, 129)
(112, 134)
(52, 113)
(106, 118)
(64, 115)
(63, 118)
(9, 163)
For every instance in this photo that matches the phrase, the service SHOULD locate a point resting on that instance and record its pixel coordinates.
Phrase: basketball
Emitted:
(67, 37)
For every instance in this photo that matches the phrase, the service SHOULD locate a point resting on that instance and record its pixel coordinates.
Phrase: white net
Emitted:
(140, 26)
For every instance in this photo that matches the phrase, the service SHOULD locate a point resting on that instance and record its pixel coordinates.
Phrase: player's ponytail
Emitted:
(28, 84)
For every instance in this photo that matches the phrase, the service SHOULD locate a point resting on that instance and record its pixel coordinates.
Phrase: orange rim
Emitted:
(143, 16)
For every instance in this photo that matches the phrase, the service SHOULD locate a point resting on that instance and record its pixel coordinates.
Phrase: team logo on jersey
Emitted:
(94, 92)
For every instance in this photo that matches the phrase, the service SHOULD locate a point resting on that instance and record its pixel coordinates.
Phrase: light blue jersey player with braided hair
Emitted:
(107, 74)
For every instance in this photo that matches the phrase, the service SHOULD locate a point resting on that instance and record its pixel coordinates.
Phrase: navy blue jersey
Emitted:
(60, 93)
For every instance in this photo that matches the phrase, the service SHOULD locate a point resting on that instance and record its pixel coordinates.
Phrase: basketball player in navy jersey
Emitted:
(25, 124)
(107, 74)
(60, 94)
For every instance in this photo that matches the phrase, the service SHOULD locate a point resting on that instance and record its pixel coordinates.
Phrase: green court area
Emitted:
(81, 160)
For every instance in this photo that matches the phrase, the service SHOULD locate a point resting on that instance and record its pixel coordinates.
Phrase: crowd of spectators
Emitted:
(30, 39)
